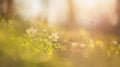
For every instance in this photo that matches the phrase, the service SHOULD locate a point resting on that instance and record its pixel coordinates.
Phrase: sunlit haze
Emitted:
(28, 9)
(59, 33)
(94, 11)
(86, 12)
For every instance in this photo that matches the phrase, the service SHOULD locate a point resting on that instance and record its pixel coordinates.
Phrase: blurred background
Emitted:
(59, 33)
(64, 12)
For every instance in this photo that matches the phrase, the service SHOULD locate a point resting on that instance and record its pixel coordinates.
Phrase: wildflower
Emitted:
(31, 32)
(54, 37)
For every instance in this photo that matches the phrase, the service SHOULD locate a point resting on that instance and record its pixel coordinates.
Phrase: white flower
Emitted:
(54, 36)
(31, 32)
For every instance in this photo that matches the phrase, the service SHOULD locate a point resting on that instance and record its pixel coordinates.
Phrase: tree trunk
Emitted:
(9, 9)
(2, 8)
(71, 23)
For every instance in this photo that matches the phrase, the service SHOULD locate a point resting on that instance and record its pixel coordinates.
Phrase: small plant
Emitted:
(31, 45)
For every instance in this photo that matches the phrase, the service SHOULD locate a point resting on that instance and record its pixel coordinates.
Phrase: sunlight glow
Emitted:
(94, 12)
(29, 9)
(91, 3)
(58, 12)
